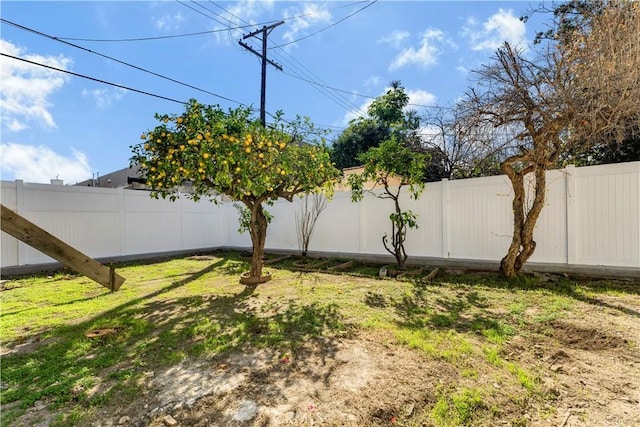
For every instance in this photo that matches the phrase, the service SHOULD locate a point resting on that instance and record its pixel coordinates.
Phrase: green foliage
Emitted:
(211, 152)
(244, 217)
(231, 154)
(570, 16)
(391, 159)
(407, 218)
(387, 118)
(382, 164)
(362, 134)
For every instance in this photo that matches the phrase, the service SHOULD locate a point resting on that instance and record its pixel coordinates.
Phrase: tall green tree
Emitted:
(216, 152)
(386, 116)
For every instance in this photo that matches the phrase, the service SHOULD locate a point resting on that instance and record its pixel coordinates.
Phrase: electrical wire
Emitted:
(31, 30)
(199, 33)
(198, 11)
(325, 28)
(359, 94)
(331, 96)
(139, 39)
(92, 78)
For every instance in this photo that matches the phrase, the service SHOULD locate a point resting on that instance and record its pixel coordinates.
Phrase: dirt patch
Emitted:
(355, 382)
(590, 365)
(574, 336)
(584, 366)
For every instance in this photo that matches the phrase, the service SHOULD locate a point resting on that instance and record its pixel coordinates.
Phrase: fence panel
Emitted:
(607, 215)
(591, 217)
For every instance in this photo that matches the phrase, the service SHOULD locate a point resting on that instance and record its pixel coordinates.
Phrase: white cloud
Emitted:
(41, 164)
(238, 15)
(311, 14)
(168, 22)
(249, 10)
(425, 55)
(395, 38)
(16, 126)
(421, 97)
(104, 97)
(26, 88)
(354, 114)
(501, 27)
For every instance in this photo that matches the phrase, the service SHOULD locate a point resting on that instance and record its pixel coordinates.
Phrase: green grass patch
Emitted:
(70, 335)
(459, 408)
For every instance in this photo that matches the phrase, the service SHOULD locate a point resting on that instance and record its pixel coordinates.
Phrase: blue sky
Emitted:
(59, 125)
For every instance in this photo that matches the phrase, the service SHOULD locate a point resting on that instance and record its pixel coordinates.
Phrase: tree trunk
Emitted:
(398, 235)
(258, 231)
(522, 243)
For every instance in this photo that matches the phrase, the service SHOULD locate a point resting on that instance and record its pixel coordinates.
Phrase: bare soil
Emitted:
(588, 361)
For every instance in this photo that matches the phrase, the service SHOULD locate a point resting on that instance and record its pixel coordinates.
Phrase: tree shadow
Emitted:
(557, 284)
(147, 333)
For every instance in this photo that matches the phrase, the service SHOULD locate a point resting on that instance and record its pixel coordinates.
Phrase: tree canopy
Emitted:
(215, 152)
(386, 116)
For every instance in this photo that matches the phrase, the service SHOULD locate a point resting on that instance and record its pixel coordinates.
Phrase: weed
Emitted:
(458, 409)
(492, 356)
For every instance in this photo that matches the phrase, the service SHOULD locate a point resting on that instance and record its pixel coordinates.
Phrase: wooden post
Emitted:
(34, 236)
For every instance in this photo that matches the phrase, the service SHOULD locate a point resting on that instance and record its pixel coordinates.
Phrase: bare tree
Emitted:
(576, 93)
(603, 53)
(311, 206)
(465, 148)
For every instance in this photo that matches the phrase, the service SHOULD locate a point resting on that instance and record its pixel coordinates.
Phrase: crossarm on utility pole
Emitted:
(263, 56)
(252, 50)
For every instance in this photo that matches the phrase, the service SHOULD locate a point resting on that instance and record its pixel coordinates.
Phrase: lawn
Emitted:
(183, 341)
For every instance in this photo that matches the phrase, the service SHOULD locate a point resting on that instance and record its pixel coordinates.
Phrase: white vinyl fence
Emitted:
(591, 217)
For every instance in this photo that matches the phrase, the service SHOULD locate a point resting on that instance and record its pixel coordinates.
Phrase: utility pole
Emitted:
(263, 56)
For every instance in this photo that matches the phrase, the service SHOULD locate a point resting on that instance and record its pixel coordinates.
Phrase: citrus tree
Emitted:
(391, 166)
(214, 152)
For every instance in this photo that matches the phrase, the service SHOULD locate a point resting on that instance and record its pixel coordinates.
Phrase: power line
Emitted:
(200, 33)
(31, 30)
(337, 100)
(230, 13)
(327, 27)
(358, 94)
(138, 39)
(343, 102)
(92, 78)
(196, 10)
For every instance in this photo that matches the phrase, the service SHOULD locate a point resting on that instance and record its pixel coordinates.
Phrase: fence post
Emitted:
(21, 253)
(123, 221)
(570, 174)
(445, 218)
(361, 243)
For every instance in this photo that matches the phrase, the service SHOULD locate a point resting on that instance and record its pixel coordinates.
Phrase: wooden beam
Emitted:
(34, 236)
